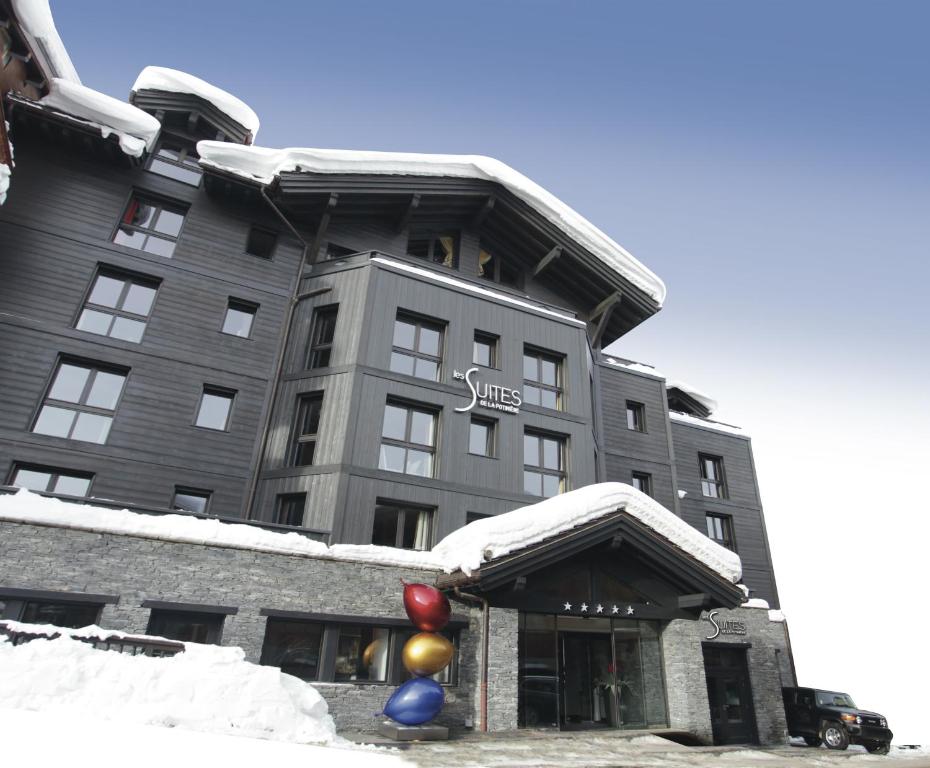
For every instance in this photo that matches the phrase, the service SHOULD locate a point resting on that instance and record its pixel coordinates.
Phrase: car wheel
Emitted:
(835, 736)
(813, 741)
(878, 747)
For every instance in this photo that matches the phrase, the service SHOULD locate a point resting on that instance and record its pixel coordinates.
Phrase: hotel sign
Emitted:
(492, 396)
(724, 626)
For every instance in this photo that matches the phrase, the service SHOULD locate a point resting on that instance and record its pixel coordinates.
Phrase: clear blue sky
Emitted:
(770, 161)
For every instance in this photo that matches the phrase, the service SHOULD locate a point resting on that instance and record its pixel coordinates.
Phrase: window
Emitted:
(176, 158)
(543, 464)
(306, 428)
(150, 226)
(635, 416)
(51, 480)
(417, 349)
(485, 350)
(408, 440)
(402, 526)
(70, 615)
(215, 405)
(481, 437)
(642, 481)
(713, 484)
(81, 402)
(542, 379)
(492, 267)
(335, 251)
(438, 248)
(720, 529)
(118, 306)
(362, 653)
(322, 333)
(289, 509)
(294, 646)
(239, 318)
(186, 626)
(191, 499)
(260, 242)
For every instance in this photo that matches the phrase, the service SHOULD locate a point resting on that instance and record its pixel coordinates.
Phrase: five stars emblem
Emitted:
(629, 610)
(584, 607)
(568, 606)
(599, 609)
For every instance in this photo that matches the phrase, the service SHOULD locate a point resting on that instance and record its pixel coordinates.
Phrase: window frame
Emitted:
(432, 235)
(129, 279)
(144, 198)
(55, 474)
(540, 356)
(217, 391)
(215, 623)
(645, 479)
(541, 469)
(718, 483)
(245, 307)
(300, 438)
(285, 498)
(273, 233)
(315, 346)
(492, 341)
(400, 510)
(727, 529)
(184, 153)
(187, 490)
(407, 444)
(491, 440)
(419, 322)
(635, 413)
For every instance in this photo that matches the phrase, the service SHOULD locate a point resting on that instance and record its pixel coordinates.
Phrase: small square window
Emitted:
(289, 509)
(150, 225)
(720, 529)
(485, 350)
(408, 440)
(401, 526)
(118, 305)
(191, 499)
(239, 318)
(642, 481)
(417, 347)
(215, 405)
(260, 242)
(635, 416)
(481, 437)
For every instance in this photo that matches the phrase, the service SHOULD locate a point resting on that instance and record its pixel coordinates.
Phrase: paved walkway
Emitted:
(529, 749)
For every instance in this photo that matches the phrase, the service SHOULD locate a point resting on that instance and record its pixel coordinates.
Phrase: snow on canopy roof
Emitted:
(492, 537)
(175, 81)
(136, 129)
(717, 426)
(706, 400)
(263, 164)
(37, 24)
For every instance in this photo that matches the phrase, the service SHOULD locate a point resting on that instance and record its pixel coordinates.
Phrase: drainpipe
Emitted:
(484, 652)
(282, 349)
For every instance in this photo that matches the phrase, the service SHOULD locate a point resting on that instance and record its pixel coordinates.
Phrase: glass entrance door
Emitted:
(587, 681)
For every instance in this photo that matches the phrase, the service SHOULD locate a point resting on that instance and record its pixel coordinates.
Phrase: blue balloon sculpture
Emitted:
(417, 701)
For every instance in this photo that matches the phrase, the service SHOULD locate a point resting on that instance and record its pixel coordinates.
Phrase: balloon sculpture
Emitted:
(419, 700)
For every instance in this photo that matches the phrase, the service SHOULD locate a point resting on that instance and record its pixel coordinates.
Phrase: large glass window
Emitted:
(542, 379)
(70, 615)
(713, 484)
(417, 347)
(294, 647)
(322, 333)
(51, 480)
(118, 306)
(150, 225)
(362, 653)
(408, 440)
(543, 464)
(186, 626)
(436, 247)
(306, 428)
(176, 158)
(81, 402)
(215, 405)
(402, 526)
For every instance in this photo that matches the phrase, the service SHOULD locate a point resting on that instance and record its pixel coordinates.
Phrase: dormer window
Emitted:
(492, 267)
(436, 247)
(176, 158)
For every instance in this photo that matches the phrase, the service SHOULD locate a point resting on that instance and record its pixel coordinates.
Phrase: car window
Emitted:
(834, 699)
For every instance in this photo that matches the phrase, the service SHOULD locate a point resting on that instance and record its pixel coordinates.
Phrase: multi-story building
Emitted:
(364, 348)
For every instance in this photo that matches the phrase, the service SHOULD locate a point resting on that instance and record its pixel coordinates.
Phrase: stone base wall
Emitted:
(137, 569)
(503, 669)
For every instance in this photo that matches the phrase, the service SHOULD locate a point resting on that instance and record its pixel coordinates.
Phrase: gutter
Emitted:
(483, 726)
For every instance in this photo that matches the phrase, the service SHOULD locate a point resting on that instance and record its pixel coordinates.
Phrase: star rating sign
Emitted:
(568, 606)
(584, 607)
(629, 610)
(615, 609)
(599, 609)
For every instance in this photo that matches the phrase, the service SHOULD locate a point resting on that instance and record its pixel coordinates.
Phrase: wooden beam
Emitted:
(606, 304)
(697, 600)
(546, 260)
(617, 541)
(322, 227)
(483, 212)
(605, 318)
(404, 221)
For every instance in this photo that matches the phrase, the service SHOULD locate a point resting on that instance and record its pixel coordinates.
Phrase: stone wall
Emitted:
(503, 669)
(138, 569)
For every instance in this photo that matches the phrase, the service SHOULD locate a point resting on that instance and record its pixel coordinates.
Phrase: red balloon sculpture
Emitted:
(426, 606)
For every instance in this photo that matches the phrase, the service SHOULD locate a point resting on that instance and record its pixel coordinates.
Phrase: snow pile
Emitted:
(164, 79)
(92, 631)
(4, 181)
(136, 129)
(706, 400)
(632, 366)
(492, 537)
(775, 615)
(206, 688)
(37, 24)
(756, 602)
(717, 426)
(263, 165)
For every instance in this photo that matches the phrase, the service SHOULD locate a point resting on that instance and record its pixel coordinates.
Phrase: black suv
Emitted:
(831, 718)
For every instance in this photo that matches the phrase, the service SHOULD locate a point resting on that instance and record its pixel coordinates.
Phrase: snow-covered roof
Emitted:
(706, 400)
(492, 537)
(175, 81)
(137, 130)
(634, 366)
(262, 164)
(717, 426)
(36, 23)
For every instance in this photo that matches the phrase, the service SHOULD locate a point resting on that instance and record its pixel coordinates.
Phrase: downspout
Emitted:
(282, 349)
(484, 653)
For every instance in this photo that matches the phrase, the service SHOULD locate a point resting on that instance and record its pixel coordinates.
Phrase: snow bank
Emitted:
(4, 182)
(497, 536)
(164, 79)
(206, 688)
(775, 615)
(136, 129)
(706, 400)
(717, 426)
(263, 165)
(756, 602)
(35, 20)
(90, 631)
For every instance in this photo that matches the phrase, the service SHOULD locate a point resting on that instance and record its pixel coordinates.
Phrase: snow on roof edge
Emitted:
(706, 400)
(263, 164)
(717, 426)
(176, 81)
(36, 22)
